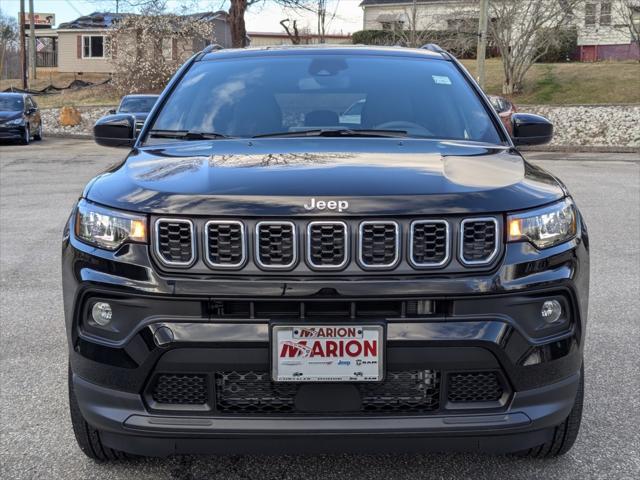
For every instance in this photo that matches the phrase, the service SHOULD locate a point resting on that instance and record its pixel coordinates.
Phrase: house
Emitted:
(604, 31)
(83, 44)
(603, 27)
(264, 39)
(430, 14)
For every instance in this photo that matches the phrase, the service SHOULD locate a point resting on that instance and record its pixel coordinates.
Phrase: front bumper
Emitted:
(12, 133)
(482, 322)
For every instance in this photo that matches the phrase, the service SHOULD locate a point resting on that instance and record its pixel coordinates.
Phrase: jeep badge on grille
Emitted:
(338, 205)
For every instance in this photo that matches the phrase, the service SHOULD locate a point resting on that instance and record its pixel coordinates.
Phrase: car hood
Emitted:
(279, 176)
(6, 116)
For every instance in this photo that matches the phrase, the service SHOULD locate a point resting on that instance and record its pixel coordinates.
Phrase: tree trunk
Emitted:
(236, 23)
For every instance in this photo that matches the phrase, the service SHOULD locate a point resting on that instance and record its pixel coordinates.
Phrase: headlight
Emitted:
(544, 227)
(15, 121)
(107, 228)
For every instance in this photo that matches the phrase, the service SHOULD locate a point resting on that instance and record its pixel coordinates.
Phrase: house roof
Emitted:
(102, 20)
(97, 20)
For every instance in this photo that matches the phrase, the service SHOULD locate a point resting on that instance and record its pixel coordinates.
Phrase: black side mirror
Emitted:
(530, 129)
(31, 111)
(115, 130)
(112, 111)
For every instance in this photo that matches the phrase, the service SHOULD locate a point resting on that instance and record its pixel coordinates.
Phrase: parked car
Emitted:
(137, 104)
(257, 274)
(19, 118)
(505, 109)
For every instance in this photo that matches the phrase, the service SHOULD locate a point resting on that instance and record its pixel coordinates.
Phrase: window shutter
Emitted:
(113, 44)
(174, 49)
(79, 43)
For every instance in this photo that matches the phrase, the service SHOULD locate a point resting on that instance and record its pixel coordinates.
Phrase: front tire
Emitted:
(565, 434)
(88, 438)
(26, 136)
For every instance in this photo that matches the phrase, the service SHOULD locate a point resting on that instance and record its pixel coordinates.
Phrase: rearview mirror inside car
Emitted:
(530, 129)
(115, 130)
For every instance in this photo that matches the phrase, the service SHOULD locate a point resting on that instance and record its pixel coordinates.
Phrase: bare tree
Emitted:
(413, 30)
(524, 31)
(628, 11)
(238, 8)
(8, 37)
(146, 50)
(293, 33)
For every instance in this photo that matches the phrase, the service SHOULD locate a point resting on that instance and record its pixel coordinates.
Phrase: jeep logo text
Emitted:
(338, 205)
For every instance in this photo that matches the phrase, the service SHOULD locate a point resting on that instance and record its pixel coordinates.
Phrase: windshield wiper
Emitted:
(337, 132)
(186, 134)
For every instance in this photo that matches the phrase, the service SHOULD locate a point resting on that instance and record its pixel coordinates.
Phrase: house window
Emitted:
(605, 14)
(93, 46)
(392, 26)
(590, 14)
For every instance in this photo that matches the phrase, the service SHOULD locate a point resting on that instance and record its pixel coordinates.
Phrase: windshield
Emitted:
(137, 104)
(11, 103)
(246, 97)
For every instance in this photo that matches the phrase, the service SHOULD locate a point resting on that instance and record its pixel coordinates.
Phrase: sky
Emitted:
(344, 16)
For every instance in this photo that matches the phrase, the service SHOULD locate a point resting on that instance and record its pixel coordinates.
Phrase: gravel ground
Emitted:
(617, 126)
(38, 186)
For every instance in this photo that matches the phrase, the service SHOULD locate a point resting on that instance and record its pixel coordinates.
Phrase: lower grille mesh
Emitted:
(180, 389)
(474, 387)
(246, 393)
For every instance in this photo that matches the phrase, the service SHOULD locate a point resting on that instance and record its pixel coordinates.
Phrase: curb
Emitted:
(78, 136)
(582, 149)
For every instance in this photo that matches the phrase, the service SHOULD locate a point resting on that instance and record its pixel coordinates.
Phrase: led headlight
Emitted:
(544, 227)
(15, 122)
(107, 228)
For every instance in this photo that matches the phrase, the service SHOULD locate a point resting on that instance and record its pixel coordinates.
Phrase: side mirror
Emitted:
(31, 111)
(115, 130)
(112, 111)
(530, 129)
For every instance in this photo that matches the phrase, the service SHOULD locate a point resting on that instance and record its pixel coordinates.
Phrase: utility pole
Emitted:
(482, 41)
(32, 44)
(23, 56)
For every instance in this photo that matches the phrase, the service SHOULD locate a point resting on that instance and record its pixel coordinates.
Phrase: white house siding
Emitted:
(429, 16)
(68, 60)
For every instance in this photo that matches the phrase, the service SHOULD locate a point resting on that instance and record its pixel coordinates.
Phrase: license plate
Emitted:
(327, 353)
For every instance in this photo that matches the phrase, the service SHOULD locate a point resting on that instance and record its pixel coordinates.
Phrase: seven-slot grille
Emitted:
(276, 245)
(429, 243)
(478, 240)
(327, 245)
(379, 244)
(175, 241)
(273, 245)
(225, 243)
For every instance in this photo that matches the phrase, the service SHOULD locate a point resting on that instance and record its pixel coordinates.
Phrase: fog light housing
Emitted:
(101, 313)
(551, 311)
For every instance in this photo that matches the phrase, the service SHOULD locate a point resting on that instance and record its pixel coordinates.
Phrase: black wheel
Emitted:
(26, 136)
(88, 438)
(565, 434)
(38, 134)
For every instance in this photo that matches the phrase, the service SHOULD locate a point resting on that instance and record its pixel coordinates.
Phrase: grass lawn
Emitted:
(97, 95)
(570, 83)
(546, 83)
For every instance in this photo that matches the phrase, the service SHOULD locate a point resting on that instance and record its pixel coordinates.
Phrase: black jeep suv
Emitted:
(324, 249)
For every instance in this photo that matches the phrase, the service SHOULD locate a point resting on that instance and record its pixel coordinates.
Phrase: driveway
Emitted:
(38, 187)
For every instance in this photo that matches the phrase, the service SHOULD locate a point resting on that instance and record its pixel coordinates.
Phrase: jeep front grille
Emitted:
(327, 245)
(379, 244)
(225, 244)
(179, 389)
(175, 242)
(429, 243)
(478, 240)
(276, 245)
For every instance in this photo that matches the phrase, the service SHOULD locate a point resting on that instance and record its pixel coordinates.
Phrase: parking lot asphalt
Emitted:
(39, 184)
